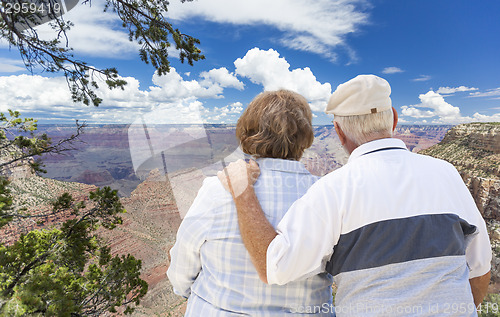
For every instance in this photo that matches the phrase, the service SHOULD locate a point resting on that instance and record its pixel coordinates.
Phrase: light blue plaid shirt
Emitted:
(211, 266)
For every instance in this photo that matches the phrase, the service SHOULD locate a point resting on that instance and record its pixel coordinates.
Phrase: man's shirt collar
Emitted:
(377, 145)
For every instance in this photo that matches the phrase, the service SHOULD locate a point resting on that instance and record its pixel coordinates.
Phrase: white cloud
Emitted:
(8, 65)
(222, 77)
(312, 26)
(452, 90)
(392, 70)
(422, 78)
(8, 68)
(437, 106)
(485, 118)
(236, 107)
(172, 86)
(131, 97)
(33, 92)
(230, 113)
(491, 93)
(309, 44)
(171, 98)
(180, 112)
(44, 97)
(443, 113)
(411, 111)
(273, 72)
(95, 33)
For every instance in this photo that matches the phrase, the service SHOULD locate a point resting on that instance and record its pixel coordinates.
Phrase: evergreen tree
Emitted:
(66, 271)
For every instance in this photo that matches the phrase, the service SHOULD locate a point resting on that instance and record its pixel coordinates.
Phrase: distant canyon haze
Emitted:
(103, 156)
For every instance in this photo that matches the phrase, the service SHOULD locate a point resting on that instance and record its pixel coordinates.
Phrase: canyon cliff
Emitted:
(474, 149)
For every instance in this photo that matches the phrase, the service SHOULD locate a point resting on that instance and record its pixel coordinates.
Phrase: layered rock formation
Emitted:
(101, 157)
(474, 149)
(420, 137)
(110, 148)
(36, 194)
(326, 153)
(98, 178)
(148, 233)
(17, 169)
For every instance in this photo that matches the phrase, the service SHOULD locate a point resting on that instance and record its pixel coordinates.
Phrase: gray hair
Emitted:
(365, 128)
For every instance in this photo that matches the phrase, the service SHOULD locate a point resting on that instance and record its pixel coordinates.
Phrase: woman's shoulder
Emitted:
(211, 195)
(212, 186)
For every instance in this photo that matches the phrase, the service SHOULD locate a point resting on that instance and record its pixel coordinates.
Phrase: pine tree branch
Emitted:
(57, 148)
(27, 268)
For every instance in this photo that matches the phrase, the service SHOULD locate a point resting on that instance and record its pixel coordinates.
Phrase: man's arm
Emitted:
(256, 231)
(479, 287)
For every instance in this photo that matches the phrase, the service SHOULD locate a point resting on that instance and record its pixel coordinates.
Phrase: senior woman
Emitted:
(209, 263)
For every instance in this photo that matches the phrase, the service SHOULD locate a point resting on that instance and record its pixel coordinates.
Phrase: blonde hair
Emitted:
(276, 124)
(365, 128)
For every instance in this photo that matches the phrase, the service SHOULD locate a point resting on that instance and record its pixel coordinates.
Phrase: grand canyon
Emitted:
(157, 171)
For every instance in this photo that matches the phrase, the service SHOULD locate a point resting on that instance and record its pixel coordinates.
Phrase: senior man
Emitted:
(399, 231)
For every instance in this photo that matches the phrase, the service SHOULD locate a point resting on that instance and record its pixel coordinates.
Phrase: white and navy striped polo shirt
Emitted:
(399, 231)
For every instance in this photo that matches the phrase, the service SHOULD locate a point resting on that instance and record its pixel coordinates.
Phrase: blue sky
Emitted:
(440, 57)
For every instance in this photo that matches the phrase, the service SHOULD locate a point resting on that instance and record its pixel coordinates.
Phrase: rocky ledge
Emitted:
(474, 149)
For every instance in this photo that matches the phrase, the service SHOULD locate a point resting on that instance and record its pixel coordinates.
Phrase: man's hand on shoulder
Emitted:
(256, 231)
(239, 176)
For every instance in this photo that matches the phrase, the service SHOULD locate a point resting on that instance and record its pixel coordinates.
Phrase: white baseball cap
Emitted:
(361, 95)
